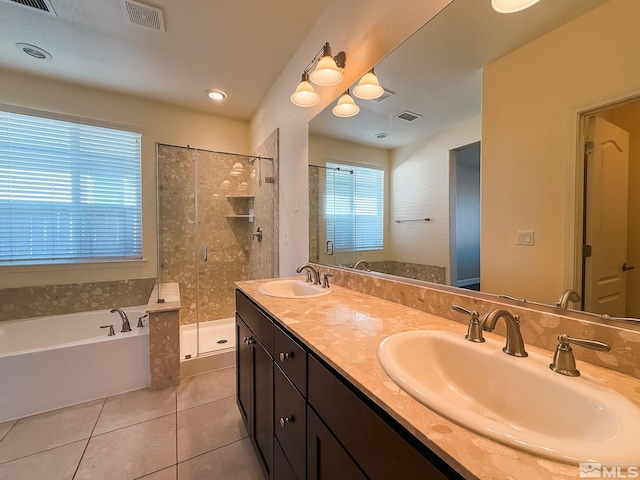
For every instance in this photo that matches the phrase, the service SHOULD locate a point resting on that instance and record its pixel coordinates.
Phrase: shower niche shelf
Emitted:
(239, 216)
(241, 197)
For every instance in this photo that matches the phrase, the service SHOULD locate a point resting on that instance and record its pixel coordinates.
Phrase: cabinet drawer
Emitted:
(291, 358)
(379, 449)
(290, 422)
(258, 322)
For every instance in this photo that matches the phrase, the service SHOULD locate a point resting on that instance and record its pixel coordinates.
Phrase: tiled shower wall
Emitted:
(233, 199)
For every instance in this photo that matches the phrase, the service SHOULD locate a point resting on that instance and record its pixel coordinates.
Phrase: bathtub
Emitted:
(52, 362)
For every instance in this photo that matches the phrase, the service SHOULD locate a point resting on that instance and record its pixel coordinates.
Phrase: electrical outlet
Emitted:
(526, 237)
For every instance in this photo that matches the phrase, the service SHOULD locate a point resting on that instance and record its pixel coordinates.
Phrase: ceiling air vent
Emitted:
(144, 15)
(408, 116)
(43, 6)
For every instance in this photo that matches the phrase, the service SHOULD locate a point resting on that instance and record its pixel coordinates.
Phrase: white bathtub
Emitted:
(52, 362)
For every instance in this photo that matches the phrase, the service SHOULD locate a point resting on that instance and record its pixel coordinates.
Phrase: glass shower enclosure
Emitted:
(216, 226)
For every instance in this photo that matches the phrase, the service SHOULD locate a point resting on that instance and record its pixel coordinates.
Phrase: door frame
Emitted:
(575, 173)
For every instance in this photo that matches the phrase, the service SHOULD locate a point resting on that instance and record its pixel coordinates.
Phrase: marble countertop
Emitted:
(345, 329)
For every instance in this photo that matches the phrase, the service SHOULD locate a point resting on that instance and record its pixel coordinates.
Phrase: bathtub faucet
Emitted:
(125, 320)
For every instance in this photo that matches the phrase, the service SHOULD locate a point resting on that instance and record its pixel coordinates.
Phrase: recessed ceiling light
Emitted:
(34, 51)
(381, 135)
(216, 95)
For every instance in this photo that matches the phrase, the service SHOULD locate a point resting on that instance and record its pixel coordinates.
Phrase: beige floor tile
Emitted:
(49, 430)
(130, 452)
(55, 464)
(5, 427)
(170, 473)
(135, 407)
(209, 426)
(236, 461)
(201, 389)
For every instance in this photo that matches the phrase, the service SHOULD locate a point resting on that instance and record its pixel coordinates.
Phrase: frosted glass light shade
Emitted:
(345, 107)
(326, 72)
(511, 6)
(305, 95)
(368, 87)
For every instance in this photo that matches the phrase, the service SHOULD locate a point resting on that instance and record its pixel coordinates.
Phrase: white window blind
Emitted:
(355, 207)
(68, 191)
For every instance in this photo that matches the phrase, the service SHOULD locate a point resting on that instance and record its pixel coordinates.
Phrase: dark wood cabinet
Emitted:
(326, 458)
(307, 422)
(254, 387)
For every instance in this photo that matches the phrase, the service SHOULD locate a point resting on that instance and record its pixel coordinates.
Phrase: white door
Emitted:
(606, 218)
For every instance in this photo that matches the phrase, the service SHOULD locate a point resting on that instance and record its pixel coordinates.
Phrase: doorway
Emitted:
(610, 233)
(464, 201)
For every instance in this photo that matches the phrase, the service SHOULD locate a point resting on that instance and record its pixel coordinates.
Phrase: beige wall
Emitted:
(420, 189)
(529, 103)
(366, 30)
(157, 121)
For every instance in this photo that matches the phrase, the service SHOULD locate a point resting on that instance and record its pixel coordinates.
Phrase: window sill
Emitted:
(19, 267)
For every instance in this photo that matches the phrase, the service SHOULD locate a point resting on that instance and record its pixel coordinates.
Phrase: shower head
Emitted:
(252, 160)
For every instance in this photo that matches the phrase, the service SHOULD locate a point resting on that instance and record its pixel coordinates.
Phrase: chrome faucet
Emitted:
(364, 264)
(125, 320)
(569, 295)
(515, 343)
(325, 280)
(315, 273)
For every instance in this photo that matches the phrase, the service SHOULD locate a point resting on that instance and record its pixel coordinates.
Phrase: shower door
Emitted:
(209, 204)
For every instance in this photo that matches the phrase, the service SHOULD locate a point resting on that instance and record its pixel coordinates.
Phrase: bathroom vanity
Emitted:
(318, 405)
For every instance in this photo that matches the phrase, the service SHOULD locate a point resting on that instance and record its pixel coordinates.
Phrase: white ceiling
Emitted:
(437, 72)
(237, 46)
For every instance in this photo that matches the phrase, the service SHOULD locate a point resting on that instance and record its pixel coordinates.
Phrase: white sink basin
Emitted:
(516, 401)
(292, 289)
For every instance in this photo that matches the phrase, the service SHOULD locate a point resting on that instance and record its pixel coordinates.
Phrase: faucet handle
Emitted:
(325, 280)
(140, 319)
(474, 333)
(563, 360)
(111, 332)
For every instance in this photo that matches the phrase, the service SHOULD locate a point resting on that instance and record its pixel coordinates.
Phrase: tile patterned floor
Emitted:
(191, 432)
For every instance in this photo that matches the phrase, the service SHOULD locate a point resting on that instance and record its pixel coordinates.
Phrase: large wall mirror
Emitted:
(491, 160)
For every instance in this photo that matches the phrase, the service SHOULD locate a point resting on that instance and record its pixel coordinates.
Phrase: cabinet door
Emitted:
(244, 372)
(326, 459)
(281, 468)
(263, 405)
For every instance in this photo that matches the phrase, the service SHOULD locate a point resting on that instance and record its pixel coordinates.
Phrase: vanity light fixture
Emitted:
(217, 95)
(346, 107)
(368, 87)
(305, 95)
(511, 6)
(328, 71)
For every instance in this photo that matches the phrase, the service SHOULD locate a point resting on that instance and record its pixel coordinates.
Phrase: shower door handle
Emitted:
(206, 256)
(329, 247)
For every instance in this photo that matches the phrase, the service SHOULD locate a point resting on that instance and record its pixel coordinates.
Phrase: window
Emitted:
(68, 191)
(355, 207)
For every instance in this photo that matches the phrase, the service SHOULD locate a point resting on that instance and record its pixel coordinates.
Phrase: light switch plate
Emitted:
(526, 237)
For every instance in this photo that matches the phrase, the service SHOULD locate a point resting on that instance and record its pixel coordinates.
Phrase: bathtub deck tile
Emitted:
(130, 452)
(135, 407)
(207, 387)
(209, 426)
(44, 431)
(5, 427)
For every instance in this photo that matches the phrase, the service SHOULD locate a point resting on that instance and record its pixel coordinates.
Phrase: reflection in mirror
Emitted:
(505, 98)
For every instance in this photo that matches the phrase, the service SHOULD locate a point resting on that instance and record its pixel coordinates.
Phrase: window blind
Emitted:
(355, 207)
(68, 191)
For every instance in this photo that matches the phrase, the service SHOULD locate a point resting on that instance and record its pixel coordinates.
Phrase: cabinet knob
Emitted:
(285, 355)
(285, 420)
(249, 340)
